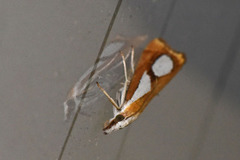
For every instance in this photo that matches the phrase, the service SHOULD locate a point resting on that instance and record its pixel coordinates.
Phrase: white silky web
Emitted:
(108, 74)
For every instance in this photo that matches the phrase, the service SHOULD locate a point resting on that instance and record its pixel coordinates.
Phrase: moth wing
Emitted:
(158, 63)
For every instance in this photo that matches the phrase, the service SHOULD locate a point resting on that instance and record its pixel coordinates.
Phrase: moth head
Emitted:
(117, 122)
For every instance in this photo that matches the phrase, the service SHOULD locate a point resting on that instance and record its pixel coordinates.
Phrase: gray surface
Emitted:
(46, 45)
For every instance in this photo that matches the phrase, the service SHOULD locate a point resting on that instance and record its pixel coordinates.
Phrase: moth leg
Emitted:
(132, 60)
(109, 98)
(126, 81)
(124, 67)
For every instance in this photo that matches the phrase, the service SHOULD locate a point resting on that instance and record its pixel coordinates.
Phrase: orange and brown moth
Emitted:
(157, 65)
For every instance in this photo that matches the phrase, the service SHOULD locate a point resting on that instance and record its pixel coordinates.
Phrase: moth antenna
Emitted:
(132, 59)
(126, 80)
(109, 98)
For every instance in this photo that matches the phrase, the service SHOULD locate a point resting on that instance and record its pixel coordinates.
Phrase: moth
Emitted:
(157, 65)
(106, 73)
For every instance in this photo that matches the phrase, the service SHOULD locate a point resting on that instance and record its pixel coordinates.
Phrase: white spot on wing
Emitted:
(162, 66)
(143, 88)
